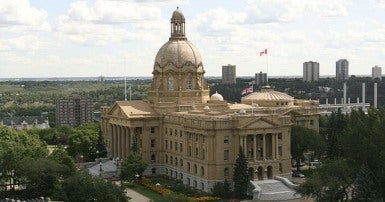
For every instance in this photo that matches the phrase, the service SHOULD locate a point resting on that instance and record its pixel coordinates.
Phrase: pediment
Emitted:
(258, 123)
(292, 113)
(116, 110)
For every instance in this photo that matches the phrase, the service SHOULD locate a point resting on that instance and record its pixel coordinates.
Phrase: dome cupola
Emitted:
(178, 74)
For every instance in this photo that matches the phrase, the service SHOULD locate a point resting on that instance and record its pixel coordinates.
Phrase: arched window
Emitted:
(202, 171)
(181, 162)
(188, 167)
(166, 158)
(189, 82)
(226, 172)
(195, 169)
(176, 161)
(170, 83)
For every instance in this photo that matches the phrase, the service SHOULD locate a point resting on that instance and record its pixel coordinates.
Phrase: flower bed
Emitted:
(147, 183)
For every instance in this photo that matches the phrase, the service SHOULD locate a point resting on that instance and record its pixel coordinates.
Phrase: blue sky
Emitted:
(45, 38)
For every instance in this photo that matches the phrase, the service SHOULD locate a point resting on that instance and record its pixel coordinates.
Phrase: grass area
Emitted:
(149, 194)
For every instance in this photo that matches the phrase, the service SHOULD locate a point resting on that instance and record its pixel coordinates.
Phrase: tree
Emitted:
(83, 187)
(222, 190)
(132, 166)
(364, 187)
(60, 155)
(14, 147)
(330, 182)
(334, 134)
(240, 177)
(40, 175)
(82, 143)
(303, 139)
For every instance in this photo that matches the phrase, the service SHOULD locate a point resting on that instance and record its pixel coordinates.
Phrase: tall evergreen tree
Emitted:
(334, 132)
(241, 177)
(364, 187)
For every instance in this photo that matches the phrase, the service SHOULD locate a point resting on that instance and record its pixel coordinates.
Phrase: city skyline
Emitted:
(120, 38)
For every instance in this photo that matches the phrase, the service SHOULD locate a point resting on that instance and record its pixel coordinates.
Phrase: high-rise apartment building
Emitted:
(228, 74)
(342, 70)
(376, 73)
(73, 111)
(310, 71)
(260, 78)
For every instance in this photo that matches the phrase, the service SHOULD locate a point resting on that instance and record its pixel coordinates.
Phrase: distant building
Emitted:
(310, 71)
(260, 78)
(342, 70)
(25, 122)
(228, 74)
(376, 73)
(73, 111)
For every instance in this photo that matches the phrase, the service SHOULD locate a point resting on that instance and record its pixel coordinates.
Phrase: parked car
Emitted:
(298, 174)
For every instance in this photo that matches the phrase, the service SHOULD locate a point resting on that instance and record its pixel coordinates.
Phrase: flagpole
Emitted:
(267, 68)
(125, 89)
(130, 91)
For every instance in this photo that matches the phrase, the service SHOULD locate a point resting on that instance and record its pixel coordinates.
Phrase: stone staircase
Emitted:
(274, 190)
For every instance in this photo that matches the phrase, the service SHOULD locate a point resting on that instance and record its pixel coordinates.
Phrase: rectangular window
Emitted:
(203, 154)
(180, 147)
(226, 140)
(279, 136)
(279, 150)
(152, 143)
(196, 152)
(189, 150)
(226, 154)
(166, 142)
(170, 144)
(176, 146)
(312, 122)
(152, 130)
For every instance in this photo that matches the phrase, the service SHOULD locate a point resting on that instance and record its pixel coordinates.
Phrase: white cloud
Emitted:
(380, 3)
(271, 11)
(29, 43)
(21, 13)
(104, 22)
(102, 11)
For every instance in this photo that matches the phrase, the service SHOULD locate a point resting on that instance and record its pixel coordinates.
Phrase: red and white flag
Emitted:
(263, 52)
(247, 90)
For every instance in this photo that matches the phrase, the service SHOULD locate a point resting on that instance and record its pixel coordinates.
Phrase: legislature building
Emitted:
(185, 133)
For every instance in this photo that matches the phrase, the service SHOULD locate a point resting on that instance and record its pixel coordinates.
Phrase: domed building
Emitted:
(185, 133)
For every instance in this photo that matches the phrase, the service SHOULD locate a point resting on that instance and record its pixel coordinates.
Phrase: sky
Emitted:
(87, 38)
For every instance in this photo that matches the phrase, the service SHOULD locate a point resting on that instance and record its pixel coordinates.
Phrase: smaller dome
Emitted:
(267, 97)
(177, 16)
(216, 97)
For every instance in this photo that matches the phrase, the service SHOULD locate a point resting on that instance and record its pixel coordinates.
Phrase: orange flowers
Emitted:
(165, 192)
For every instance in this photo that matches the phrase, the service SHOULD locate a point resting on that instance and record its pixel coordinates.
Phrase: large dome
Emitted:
(267, 97)
(178, 53)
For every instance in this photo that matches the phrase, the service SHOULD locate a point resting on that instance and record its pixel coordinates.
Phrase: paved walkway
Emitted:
(135, 196)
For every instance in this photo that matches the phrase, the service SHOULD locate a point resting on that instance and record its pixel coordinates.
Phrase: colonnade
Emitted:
(121, 138)
(256, 149)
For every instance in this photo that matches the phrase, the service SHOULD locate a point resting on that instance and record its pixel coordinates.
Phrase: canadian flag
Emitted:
(263, 52)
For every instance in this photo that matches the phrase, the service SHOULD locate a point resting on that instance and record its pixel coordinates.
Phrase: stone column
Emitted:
(264, 147)
(119, 141)
(255, 150)
(116, 153)
(128, 142)
(276, 146)
(112, 154)
(124, 143)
